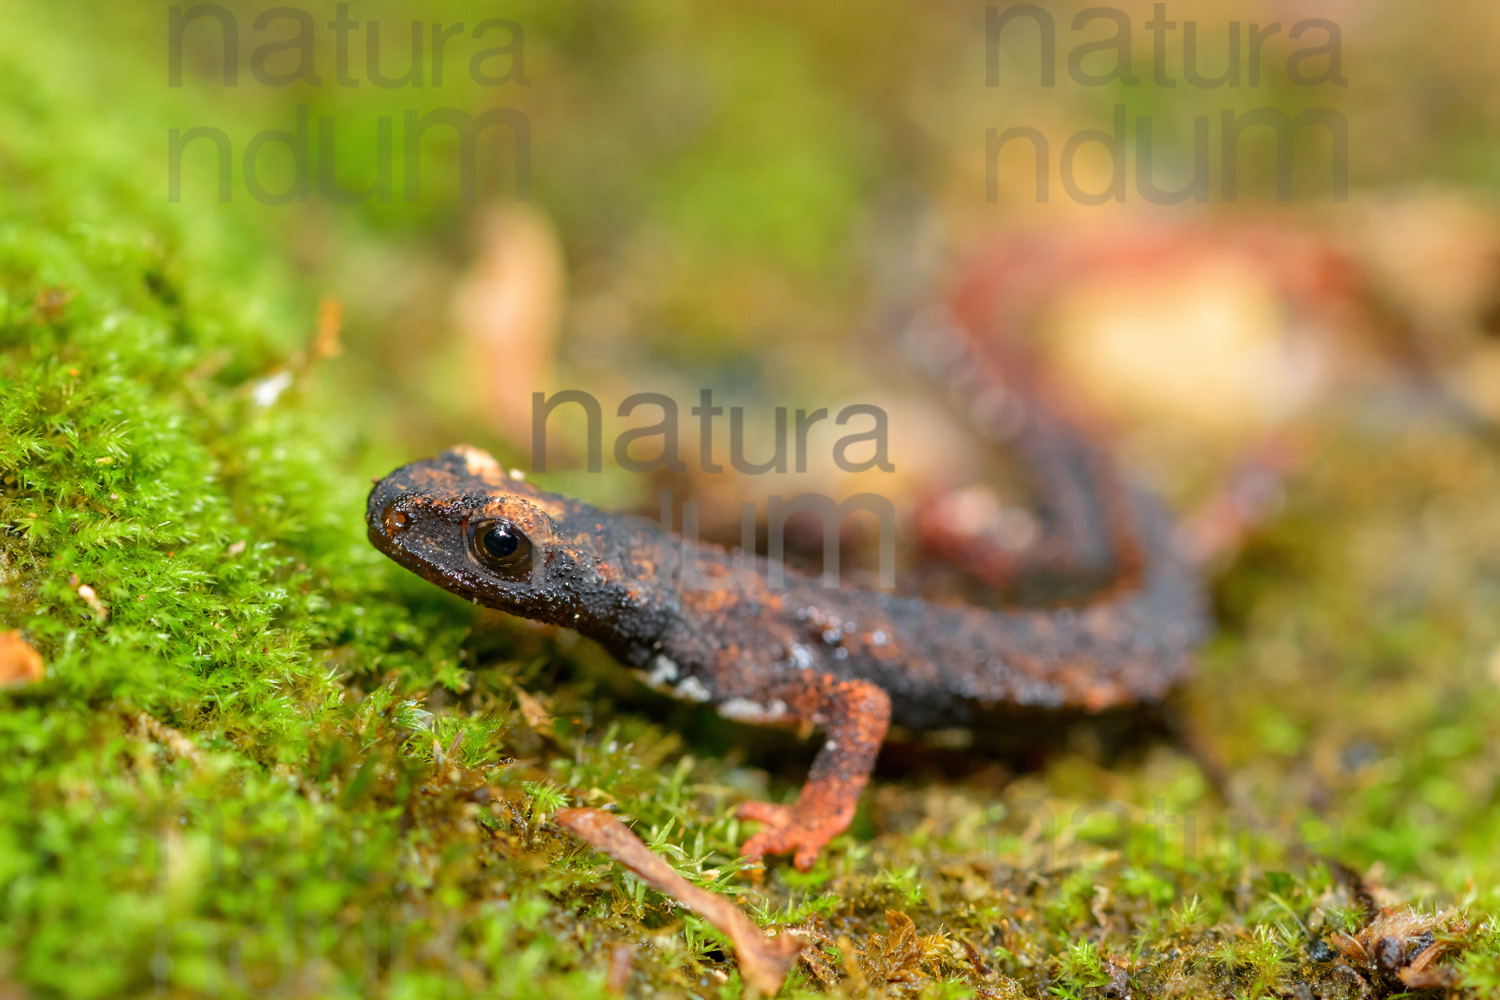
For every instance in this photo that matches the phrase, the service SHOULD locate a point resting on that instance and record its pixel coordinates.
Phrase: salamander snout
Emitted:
(416, 512)
(458, 521)
(387, 518)
(384, 516)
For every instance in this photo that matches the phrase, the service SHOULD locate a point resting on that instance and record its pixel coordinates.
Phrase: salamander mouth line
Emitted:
(386, 544)
(431, 571)
(403, 557)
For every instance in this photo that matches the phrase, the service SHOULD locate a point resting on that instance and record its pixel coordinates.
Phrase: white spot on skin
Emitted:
(831, 745)
(663, 671)
(749, 711)
(740, 708)
(801, 656)
(692, 689)
(878, 637)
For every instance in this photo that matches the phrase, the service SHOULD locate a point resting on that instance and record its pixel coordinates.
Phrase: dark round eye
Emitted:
(501, 541)
(501, 546)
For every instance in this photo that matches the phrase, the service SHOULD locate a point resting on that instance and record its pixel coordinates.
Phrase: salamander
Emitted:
(696, 621)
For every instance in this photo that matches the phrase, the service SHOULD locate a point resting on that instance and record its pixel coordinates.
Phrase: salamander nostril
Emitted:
(396, 521)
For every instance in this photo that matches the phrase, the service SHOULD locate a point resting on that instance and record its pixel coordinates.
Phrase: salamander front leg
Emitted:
(856, 715)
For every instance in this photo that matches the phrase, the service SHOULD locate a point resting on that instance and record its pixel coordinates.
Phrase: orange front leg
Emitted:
(855, 715)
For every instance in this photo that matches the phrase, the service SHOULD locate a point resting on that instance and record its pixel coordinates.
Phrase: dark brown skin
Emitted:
(707, 626)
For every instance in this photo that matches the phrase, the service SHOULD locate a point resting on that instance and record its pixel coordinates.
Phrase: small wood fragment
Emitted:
(535, 714)
(764, 961)
(620, 958)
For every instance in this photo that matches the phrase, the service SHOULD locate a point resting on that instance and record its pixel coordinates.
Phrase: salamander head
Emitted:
(459, 521)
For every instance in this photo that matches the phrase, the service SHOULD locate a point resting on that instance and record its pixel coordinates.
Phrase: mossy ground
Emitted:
(278, 764)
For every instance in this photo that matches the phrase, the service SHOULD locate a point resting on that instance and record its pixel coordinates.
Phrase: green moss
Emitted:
(275, 760)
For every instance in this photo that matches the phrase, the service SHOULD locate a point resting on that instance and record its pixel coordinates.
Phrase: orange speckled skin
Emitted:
(705, 625)
(846, 659)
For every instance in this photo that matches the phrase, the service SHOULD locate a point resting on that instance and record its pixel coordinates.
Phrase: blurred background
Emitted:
(1257, 246)
(752, 200)
(756, 200)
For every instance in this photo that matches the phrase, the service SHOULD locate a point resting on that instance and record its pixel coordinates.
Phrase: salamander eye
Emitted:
(501, 546)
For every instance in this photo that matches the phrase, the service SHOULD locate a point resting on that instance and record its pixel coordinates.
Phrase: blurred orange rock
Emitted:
(19, 663)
